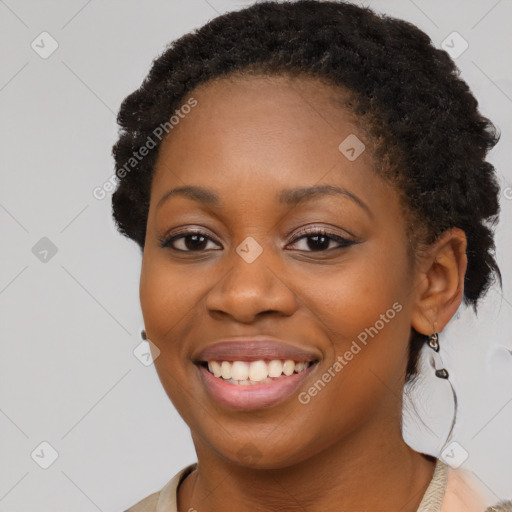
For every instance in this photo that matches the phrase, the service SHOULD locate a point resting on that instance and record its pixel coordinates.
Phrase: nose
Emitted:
(247, 290)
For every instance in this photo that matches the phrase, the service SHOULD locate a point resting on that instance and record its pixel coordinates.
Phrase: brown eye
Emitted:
(320, 240)
(190, 241)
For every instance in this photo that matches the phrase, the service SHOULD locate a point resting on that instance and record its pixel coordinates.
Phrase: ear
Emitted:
(439, 282)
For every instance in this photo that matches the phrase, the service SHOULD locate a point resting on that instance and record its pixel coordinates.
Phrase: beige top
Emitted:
(450, 490)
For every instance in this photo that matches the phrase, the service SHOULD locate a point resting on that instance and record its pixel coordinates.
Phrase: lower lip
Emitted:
(253, 396)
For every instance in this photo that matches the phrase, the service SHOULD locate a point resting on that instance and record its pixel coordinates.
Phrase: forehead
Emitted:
(270, 105)
(256, 131)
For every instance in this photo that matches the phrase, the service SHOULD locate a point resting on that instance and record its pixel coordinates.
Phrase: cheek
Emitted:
(363, 310)
(168, 297)
(169, 300)
(362, 299)
(366, 356)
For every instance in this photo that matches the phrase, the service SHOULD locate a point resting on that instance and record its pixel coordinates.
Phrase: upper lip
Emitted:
(253, 349)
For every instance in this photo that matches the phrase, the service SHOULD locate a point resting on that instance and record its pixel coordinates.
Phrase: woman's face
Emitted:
(339, 301)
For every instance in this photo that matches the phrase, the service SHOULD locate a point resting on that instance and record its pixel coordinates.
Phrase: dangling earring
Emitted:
(433, 342)
(143, 334)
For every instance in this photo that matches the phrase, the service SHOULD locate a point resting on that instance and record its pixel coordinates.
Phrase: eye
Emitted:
(321, 239)
(190, 241)
(197, 240)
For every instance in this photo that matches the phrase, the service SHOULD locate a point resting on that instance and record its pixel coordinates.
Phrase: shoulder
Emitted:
(502, 506)
(147, 504)
(466, 493)
(164, 500)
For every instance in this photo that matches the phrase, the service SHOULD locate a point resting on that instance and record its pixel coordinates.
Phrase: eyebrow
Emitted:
(290, 197)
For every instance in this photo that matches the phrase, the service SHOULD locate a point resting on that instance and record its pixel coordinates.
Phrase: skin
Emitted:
(247, 139)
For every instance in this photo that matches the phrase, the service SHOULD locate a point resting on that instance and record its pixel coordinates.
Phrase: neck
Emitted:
(372, 469)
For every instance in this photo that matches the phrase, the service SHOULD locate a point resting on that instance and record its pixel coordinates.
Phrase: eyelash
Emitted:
(305, 233)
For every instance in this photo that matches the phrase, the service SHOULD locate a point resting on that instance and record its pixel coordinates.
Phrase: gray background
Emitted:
(69, 324)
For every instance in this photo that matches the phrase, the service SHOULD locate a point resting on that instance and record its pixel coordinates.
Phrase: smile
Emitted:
(248, 385)
(255, 372)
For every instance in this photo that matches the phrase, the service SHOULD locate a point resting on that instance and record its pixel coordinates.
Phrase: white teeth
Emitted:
(215, 368)
(246, 373)
(240, 370)
(225, 368)
(288, 367)
(257, 371)
(301, 366)
(275, 368)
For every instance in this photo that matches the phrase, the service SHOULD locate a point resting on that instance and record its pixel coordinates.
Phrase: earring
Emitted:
(143, 334)
(433, 342)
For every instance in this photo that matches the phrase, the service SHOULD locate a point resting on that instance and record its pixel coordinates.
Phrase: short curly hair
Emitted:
(427, 136)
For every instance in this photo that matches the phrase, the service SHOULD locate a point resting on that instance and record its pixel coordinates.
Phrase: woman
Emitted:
(307, 182)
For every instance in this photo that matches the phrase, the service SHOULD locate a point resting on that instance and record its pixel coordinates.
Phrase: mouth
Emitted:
(251, 373)
(250, 385)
